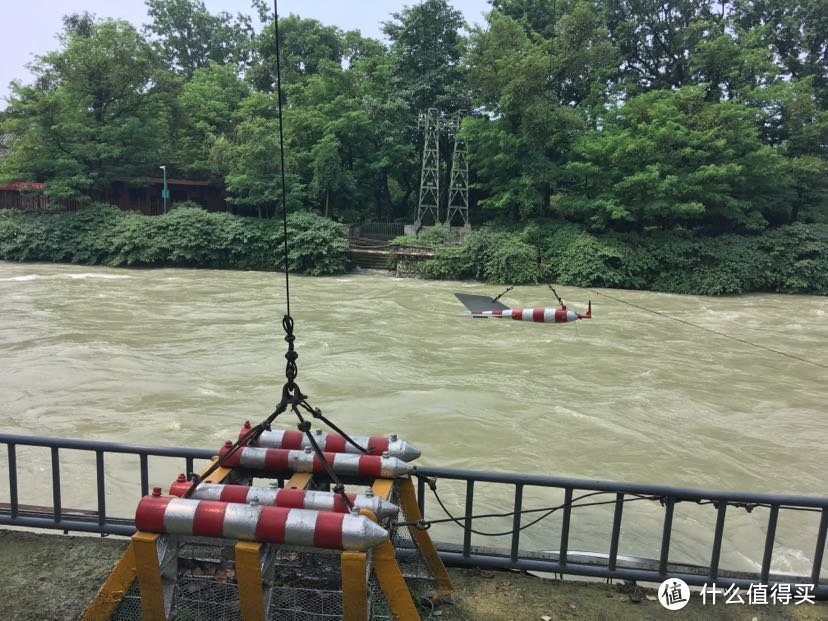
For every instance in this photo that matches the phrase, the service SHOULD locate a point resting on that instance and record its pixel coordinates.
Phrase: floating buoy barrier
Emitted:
(285, 460)
(281, 525)
(335, 443)
(283, 497)
(538, 315)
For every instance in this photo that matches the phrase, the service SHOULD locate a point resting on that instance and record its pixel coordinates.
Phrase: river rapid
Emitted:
(183, 357)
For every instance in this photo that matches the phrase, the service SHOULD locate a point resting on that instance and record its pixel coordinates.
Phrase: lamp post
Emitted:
(165, 193)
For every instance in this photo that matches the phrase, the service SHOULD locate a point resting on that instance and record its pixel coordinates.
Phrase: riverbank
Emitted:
(53, 576)
(788, 259)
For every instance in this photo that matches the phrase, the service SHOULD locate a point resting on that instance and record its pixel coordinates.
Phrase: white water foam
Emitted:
(101, 276)
(20, 278)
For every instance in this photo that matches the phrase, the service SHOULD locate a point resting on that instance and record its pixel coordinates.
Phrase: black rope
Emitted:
(244, 440)
(292, 397)
(727, 336)
(560, 301)
(547, 511)
(508, 289)
(282, 154)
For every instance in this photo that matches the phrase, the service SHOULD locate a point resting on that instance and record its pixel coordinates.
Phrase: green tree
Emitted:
(329, 174)
(98, 109)
(535, 16)
(426, 49)
(305, 46)
(190, 37)
(797, 33)
(205, 110)
(537, 95)
(250, 160)
(670, 159)
(657, 39)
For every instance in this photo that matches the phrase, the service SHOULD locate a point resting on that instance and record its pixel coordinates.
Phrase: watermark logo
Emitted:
(673, 594)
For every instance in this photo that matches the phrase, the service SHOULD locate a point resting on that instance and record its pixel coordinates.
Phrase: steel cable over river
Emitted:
(157, 356)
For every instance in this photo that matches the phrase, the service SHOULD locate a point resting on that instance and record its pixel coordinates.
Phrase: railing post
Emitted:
(421, 495)
(665, 535)
(13, 506)
(101, 480)
(820, 548)
(516, 521)
(717, 541)
(56, 508)
(144, 467)
(616, 530)
(769, 539)
(467, 530)
(565, 527)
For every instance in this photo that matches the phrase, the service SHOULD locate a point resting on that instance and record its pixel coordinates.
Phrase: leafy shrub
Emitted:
(187, 236)
(317, 246)
(799, 256)
(512, 261)
(792, 259)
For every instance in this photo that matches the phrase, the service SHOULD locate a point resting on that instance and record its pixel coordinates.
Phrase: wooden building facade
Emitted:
(145, 195)
(142, 195)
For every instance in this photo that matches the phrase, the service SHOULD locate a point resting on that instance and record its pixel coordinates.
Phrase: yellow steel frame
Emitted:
(112, 591)
(249, 578)
(408, 503)
(354, 567)
(141, 560)
(145, 546)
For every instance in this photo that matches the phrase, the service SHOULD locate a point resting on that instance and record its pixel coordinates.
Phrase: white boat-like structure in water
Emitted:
(484, 307)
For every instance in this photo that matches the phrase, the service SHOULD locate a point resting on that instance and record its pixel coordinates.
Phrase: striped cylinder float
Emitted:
(336, 443)
(290, 498)
(539, 315)
(297, 527)
(344, 464)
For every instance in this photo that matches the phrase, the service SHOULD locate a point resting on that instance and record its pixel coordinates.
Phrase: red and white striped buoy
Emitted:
(290, 498)
(297, 527)
(335, 443)
(538, 315)
(344, 464)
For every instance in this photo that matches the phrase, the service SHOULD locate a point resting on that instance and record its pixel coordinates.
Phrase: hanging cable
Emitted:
(292, 397)
(282, 170)
(717, 333)
(573, 504)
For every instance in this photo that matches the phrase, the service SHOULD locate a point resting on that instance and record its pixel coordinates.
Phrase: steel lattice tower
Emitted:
(458, 195)
(430, 174)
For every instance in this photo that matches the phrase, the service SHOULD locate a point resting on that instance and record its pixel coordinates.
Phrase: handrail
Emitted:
(681, 493)
(564, 560)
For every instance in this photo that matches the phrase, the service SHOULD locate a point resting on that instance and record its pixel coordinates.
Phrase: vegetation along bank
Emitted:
(787, 259)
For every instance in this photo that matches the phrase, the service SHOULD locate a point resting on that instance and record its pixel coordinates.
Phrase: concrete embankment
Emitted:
(53, 577)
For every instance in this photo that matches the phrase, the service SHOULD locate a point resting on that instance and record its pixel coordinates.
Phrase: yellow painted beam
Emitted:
(218, 476)
(145, 546)
(249, 577)
(299, 480)
(113, 590)
(408, 503)
(383, 488)
(393, 584)
(354, 586)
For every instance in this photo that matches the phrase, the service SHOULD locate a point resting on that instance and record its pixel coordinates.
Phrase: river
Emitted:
(183, 357)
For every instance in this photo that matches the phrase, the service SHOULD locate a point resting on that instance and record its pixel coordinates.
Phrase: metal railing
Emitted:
(378, 230)
(605, 564)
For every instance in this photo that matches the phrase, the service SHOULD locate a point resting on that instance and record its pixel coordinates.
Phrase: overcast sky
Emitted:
(29, 27)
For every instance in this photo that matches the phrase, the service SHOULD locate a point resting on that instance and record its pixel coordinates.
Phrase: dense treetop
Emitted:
(618, 115)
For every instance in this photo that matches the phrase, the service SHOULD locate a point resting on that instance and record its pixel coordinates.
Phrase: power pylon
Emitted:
(430, 173)
(458, 195)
